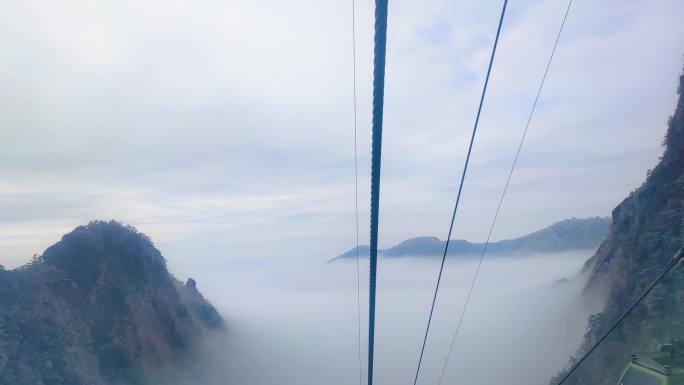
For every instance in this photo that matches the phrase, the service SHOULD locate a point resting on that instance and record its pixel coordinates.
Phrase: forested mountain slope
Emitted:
(98, 307)
(647, 229)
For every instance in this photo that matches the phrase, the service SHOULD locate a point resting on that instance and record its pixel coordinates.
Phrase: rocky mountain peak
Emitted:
(99, 307)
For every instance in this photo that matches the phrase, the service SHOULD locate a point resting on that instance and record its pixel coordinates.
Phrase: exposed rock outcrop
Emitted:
(99, 307)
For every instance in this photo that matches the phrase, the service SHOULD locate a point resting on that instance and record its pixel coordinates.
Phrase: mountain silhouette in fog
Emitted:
(566, 235)
(98, 307)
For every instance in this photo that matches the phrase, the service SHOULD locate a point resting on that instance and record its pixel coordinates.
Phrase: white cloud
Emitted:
(229, 123)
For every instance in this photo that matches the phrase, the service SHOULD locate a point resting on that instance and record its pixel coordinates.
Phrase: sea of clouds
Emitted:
(295, 322)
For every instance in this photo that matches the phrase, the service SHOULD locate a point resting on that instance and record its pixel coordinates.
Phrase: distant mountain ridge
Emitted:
(566, 235)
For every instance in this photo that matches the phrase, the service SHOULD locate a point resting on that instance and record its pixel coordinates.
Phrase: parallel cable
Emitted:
(356, 195)
(380, 50)
(671, 265)
(503, 194)
(460, 187)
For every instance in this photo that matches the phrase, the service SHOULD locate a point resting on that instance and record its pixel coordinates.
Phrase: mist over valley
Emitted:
(299, 320)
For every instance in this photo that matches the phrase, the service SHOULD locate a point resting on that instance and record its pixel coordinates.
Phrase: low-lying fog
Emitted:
(294, 323)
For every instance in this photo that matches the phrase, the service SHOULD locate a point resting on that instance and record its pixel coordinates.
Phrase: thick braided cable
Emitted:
(378, 96)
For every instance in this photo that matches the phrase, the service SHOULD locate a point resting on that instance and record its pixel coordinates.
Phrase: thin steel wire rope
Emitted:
(356, 196)
(460, 187)
(505, 190)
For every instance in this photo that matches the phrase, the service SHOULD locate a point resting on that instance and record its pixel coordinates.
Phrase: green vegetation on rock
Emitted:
(99, 307)
(646, 231)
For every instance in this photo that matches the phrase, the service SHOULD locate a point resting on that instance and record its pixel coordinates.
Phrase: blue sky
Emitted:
(224, 129)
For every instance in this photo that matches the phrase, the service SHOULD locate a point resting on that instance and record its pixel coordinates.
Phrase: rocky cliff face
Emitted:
(647, 229)
(99, 307)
